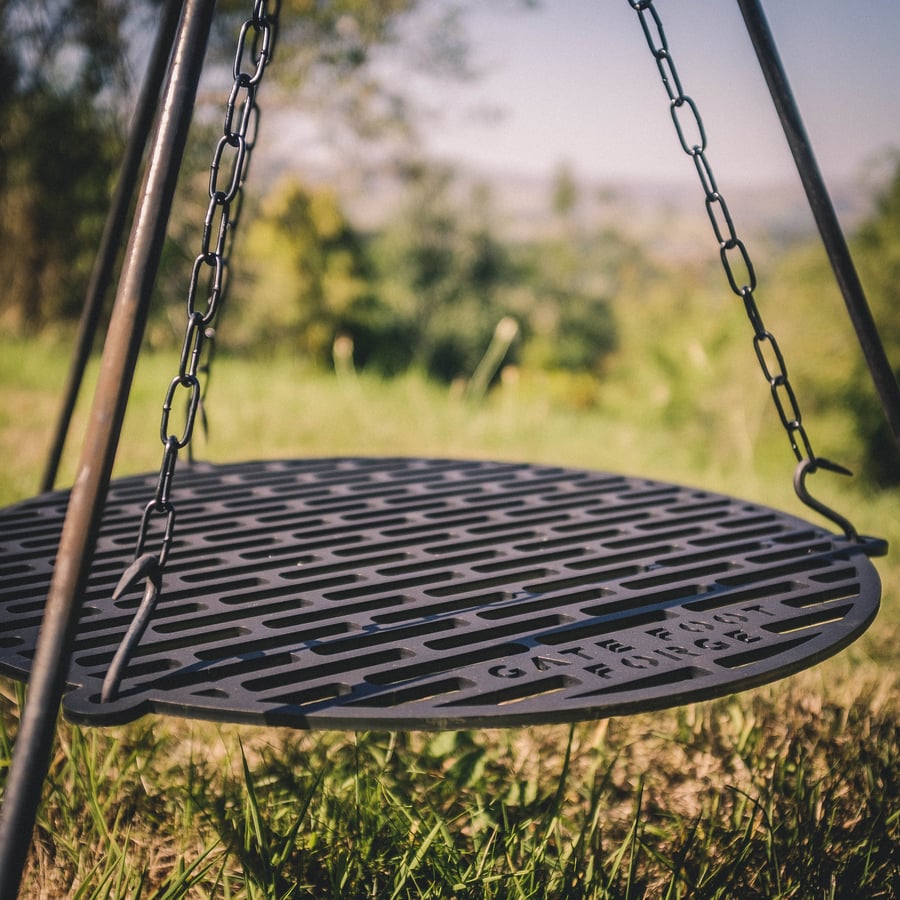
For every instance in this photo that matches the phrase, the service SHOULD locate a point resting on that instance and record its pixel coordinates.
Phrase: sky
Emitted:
(573, 81)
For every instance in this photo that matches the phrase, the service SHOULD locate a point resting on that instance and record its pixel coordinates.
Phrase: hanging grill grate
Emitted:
(422, 593)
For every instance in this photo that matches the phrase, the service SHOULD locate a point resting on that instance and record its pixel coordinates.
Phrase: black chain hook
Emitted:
(739, 271)
(206, 291)
(146, 566)
(810, 467)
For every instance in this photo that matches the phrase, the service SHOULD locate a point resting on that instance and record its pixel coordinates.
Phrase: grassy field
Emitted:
(786, 791)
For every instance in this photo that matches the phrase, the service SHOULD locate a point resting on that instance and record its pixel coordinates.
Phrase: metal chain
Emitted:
(206, 293)
(248, 130)
(736, 261)
(208, 281)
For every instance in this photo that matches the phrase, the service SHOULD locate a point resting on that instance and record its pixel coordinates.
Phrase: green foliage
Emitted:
(565, 191)
(63, 74)
(47, 258)
(445, 274)
(570, 323)
(802, 304)
(427, 290)
(444, 259)
(878, 254)
(309, 272)
(66, 66)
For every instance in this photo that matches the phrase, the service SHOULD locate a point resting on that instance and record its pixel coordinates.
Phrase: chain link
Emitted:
(733, 252)
(206, 290)
(209, 275)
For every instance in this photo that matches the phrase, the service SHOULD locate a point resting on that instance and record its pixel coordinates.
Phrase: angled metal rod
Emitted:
(823, 212)
(53, 652)
(111, 239)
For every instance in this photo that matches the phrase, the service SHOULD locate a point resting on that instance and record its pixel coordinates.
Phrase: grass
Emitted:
(787, 791)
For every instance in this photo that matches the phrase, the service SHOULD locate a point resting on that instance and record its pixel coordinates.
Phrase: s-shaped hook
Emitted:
(145, 566)
(808, 467)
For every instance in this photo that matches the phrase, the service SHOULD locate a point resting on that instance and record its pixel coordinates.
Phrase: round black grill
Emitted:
(424, 593)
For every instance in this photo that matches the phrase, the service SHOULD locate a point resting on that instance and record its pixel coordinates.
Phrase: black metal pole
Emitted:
(110, 241)
(823, 211)
(48, 674)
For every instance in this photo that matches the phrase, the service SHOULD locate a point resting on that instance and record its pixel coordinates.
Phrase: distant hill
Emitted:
(670, 215)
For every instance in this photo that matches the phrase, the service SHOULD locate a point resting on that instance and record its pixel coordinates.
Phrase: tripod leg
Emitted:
(82, 523)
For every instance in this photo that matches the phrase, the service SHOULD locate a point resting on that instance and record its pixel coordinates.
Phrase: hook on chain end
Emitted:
(808, 467)
(146, 567)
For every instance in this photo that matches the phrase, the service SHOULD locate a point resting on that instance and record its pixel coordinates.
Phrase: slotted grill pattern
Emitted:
(423, 593)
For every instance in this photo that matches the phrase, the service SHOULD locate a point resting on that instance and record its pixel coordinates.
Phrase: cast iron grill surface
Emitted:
(429, 593)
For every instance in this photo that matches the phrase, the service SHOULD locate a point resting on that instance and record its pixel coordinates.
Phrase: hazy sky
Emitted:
(575, 82)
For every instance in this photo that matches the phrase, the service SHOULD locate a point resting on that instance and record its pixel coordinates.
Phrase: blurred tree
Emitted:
(877, 246)
(565, 191)
(62, 80)
(66, 89)
(445, 273)
(343, 73)
(844, 386)
(571, 325)
(312, 284)
(329, 103)
(445, 268)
